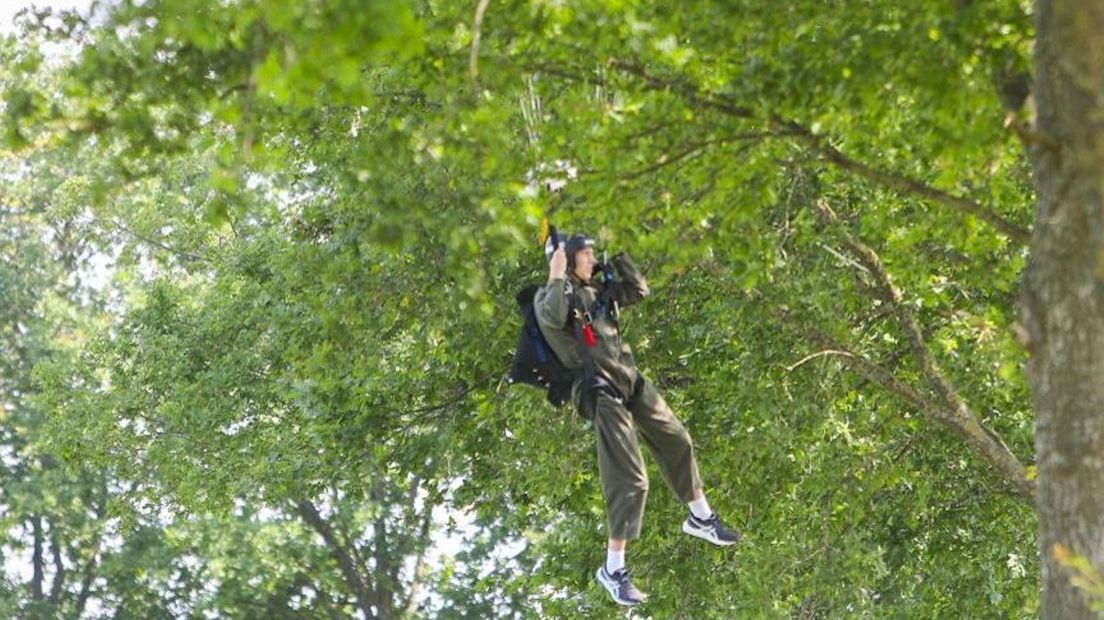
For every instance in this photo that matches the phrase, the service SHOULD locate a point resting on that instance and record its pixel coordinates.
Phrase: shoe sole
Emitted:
(611, 588)
(702, 535)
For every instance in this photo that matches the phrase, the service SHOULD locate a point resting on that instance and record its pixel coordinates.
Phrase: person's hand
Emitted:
(557, 267)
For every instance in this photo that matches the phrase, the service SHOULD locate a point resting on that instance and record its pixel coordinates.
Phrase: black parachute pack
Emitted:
(535, 363)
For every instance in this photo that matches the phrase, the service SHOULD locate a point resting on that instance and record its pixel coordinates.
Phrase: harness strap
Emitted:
(590, 369)
(592, 378)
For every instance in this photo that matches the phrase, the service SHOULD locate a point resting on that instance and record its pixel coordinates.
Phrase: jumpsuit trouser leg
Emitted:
(621, 464)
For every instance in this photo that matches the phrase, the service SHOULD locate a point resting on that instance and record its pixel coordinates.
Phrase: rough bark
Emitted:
(1063, 295)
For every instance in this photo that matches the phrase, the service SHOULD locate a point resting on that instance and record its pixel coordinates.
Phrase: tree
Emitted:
(139, 391)
(1063, 303)
(336, 203)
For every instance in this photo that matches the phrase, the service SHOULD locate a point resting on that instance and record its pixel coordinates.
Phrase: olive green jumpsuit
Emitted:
(624, 401)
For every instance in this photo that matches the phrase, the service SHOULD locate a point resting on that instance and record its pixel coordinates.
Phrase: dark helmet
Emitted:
(572, 245)
(576, 243)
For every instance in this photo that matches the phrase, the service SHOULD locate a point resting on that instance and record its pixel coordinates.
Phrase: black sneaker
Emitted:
(710, 529)
(620, 587)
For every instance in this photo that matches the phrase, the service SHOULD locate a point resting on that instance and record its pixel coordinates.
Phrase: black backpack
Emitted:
(535, 363)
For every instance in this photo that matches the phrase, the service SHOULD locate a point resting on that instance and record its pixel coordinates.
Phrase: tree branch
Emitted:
(365, 594)
(461, 393)
(477, 33)
(347, 541)
(962, 419)
(892, 180)
(813, 356)
(874, 372)
(903, 184)
(983, 441)
(154, 242)
(685, 89)
(691, 149)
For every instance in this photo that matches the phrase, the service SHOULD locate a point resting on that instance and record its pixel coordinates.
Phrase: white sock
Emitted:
(615, 560)
(700, 508)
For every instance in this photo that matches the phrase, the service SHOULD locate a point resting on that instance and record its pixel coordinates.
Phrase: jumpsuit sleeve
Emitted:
(630, 286)
(551, 304)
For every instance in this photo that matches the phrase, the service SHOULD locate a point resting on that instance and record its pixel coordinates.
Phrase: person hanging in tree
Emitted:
(577, 314)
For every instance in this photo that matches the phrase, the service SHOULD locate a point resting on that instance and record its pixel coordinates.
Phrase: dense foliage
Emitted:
(316, 214)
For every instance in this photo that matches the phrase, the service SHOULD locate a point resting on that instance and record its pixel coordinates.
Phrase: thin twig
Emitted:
(813, 356)
(696, 147)
(477, 32)
(154, 242)
(844, 259)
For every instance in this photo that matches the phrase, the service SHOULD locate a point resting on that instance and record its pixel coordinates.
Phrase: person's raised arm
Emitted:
(630, 286)
(551, 303)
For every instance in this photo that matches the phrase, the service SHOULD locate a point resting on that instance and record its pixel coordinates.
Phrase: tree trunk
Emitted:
(59, 566)
(37, 560)
(87, 579)
(384, 589)
(365, 595)
(1063, 301)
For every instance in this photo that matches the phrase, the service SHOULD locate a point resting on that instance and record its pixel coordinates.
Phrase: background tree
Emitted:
(324, 210)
